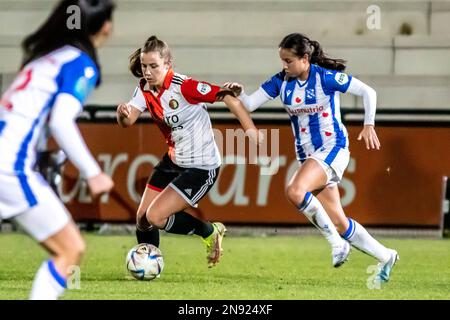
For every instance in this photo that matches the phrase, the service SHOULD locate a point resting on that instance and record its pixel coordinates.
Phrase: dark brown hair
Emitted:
(54, 33)
(300, 45)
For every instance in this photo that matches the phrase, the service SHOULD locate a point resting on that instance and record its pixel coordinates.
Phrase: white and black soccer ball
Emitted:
(144, 261)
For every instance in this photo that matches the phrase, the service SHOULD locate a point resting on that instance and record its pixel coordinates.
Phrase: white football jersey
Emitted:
(41, 90)
(314, 109)
(26, 105)
(180, 112)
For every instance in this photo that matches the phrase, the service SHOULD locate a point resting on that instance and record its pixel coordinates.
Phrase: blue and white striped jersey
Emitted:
(313, 107)
(26, 105)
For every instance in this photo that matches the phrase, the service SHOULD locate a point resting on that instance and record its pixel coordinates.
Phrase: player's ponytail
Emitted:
(300, 45)
(56, 32)
(135, 63)
(153, 44)
(320, 58)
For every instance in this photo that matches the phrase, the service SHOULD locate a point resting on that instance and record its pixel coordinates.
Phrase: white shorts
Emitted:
(31, 202)
(334, 161)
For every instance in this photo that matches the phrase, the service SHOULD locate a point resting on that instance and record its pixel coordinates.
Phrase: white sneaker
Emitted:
(340, 255)
(385, 268)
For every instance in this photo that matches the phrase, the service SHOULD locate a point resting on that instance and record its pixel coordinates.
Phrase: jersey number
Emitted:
(21, 82)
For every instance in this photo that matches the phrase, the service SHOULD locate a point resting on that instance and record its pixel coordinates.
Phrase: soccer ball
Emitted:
(144, 261)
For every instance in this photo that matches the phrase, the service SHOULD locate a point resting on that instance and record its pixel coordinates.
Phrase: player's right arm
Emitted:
(128, 113)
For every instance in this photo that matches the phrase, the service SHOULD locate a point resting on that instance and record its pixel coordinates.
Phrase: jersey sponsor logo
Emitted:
(341, 78)
(173, 104)
(298, 111)
(298, 100)
(203, 88)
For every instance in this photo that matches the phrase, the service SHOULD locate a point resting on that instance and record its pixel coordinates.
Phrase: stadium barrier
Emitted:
(400, 185)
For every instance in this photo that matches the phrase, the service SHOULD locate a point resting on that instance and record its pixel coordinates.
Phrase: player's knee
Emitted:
(295, 194)
(78, 249)
(155, 219)
(73, 251)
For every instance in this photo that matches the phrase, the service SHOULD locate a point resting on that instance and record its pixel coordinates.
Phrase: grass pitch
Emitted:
(281, 267)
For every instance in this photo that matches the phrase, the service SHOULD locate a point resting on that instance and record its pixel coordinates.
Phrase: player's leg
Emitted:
(163, 173)
(350, 229)
(355, 233)
(145, 232)
(330, 199)
(166, 204)
(161, 214)
(169, 210)
(50, 224)
(67, 247)
(309, 177)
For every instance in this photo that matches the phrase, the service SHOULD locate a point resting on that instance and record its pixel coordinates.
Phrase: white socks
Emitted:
(48, 284)
(355, 234)
(313, 210)
(362, 240)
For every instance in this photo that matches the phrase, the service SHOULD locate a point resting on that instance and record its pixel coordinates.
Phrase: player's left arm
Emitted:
(78, 80)
(241, 113)
(359, 88)
(339, 81)
(64, 129)
(198, 92)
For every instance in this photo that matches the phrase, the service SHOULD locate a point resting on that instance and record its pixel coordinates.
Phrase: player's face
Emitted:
(154, 68)
(292, 64)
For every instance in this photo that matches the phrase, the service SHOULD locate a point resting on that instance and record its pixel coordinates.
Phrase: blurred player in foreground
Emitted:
(59, 70)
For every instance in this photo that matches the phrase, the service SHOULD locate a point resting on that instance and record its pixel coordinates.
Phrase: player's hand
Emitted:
(237, 88)
(255, 135)
(370, 137)
(99, 184)
(124, 110)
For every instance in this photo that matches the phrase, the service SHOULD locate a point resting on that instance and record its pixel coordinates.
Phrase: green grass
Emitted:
(252, 268)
